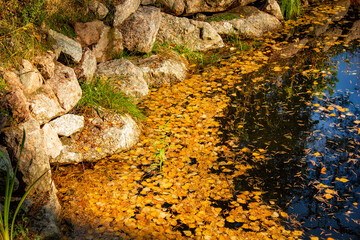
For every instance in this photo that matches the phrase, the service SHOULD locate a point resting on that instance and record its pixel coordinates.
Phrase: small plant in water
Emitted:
(7, 228)
(290, 8)
(161, 146)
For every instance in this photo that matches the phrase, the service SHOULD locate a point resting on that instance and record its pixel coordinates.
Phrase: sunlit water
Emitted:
(306, 130)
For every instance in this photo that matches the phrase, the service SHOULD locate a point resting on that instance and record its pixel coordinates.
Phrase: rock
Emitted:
(223, 27)
(354, 32)
(109, 44)
(159, 71)
(330, 37)
(191, 7)
(67, 125)
(45, 220)
(98, 8)
(30, 77)
(46, 64)
(114, 134)
(87, 66)
(251, 22)
(15, 100)
(291, 50)
(196, 6)
(147, 2)
(140, 29)
(5, 165)
(126, 75)
(196, 35)
(65, 86)
(88, 33)
(52, 143)
(45, 106)
(176, 7)
(34, 161)
(272, 7)
(3, 120)
(124, 10)
(341, 8)
(66, 45)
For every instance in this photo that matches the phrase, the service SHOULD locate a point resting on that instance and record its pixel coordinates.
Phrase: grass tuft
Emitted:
(291, 9)
(100, 92)
(235, 40)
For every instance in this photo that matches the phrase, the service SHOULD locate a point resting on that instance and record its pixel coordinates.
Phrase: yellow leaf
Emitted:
(284, 214)
(333, 114)
(328, 196)
(323, 170)
(277, 69)
(166, 185)
(99, 150)
(316, 154)
(314, 238)
(342, 179)
(316, 105)
(245, 150)
(330, 191)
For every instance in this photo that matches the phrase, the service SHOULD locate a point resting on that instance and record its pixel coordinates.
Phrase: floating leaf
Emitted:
(342, 180)
(317, 154)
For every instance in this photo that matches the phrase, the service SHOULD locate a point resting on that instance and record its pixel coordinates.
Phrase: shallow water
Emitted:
(304, 137)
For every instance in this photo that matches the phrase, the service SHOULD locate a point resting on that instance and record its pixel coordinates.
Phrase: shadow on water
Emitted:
(301, 138)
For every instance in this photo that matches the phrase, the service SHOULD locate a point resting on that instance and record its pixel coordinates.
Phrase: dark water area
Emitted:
(301, 138)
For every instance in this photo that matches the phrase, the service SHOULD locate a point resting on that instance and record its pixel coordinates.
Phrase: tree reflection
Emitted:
(298, 149)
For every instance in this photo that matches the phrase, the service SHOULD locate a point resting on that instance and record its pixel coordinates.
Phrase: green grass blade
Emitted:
(21, 202)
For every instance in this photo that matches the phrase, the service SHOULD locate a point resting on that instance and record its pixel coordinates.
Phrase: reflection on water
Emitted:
(303, 133)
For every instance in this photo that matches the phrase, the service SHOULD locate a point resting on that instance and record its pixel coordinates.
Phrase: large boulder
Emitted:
(251, 22)
(341, 9)
(195, 35)
(30, 77)
(190, 7)
(15, 100)
(33, 163)
(354, 32)
(140, 29)
(99, 9)
(159, 70)
(66, 45)
(57, 96)
(125, 76)
(52, 143)
(65, 86)
(88, 33)
(44, 106)
(272, 7)
(87, 66)
(109, 44)
(100, 138)
(67, 124)
(124, 10)
(46, 64)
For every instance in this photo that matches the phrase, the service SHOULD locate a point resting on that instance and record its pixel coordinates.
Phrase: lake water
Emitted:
(303, 133)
